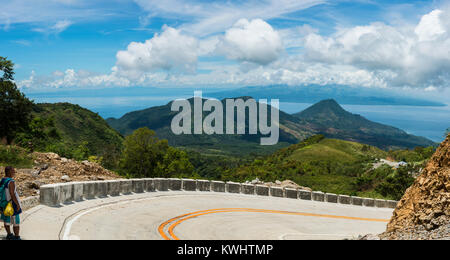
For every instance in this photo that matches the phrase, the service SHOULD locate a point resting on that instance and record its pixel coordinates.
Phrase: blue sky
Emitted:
(60, 44)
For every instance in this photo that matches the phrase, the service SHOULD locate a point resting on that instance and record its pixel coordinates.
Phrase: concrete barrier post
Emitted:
(380, 203)
(248, 189)
(126, 187)
(262, 190)
(30, 202)
(164, 185)
(392, 204)
(344, 199)
(189, 185)
(204, 185)
(331, 197)
(291, 193)
(174, 184)
(218, 186)
(149, 185)
(304, 194)
(276, 192)
(65, 193)
(233, 187)
(89, 190)
(357, 201)
(369, 202)
(161, 184)
(77, 191)
(101, 189)
(318, 196)
(138, 185)
(49, 195)
(113, 187)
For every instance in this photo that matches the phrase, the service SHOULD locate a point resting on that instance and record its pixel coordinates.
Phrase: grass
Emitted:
(15, 156)
(321, 152)
(371, 194)
(336, 151)
(331, 183)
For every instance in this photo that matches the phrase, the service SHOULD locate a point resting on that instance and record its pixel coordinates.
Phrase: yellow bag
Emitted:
(9, 210)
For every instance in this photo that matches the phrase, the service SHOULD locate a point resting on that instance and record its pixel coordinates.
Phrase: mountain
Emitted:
(159, 119)
(76, 125)
(327, 117)
(315, 93)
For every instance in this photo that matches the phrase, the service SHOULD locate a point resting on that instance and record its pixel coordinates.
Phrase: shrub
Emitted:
(14, 156)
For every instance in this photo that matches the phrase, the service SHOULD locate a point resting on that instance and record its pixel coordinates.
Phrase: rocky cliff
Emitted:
(424, 210)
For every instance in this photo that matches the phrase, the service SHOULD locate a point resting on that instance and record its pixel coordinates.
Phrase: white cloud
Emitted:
(58, 27)
(27, 83)
(171, 51)
(251, 41)
(22, 42)
(61, 26)
(430, 26)
(291, 72)
(74, 79)
(50, 12)
(374, 55)
(409, 56)
(293, 37)
(430, 88)
(209, 17)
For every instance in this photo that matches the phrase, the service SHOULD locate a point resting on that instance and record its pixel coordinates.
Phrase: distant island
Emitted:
(314, 93)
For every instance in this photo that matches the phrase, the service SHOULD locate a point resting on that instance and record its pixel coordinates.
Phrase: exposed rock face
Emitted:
(424, 210)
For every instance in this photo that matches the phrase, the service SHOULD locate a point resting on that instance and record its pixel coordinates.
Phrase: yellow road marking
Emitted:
(187, 216)
(163, 225)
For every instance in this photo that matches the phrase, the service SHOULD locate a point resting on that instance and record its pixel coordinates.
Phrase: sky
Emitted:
(67, 44)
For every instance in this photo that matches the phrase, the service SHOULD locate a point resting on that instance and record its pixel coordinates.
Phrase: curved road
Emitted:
(202, 215)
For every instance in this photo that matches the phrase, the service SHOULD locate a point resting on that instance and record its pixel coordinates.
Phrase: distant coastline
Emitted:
(342, 94)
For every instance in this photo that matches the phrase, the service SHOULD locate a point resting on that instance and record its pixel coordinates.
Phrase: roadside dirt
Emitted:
(50, 168)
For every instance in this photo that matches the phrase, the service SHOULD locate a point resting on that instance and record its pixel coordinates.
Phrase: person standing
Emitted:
(11, 195)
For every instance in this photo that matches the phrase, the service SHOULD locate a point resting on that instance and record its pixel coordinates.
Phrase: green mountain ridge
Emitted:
(159, 119)
(326, 117)
(79, 126)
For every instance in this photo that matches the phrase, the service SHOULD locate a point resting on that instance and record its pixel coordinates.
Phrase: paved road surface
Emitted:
(202, 215)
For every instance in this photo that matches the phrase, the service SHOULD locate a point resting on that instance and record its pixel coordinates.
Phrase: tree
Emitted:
(142, 153)
(175, 164)
(395, 185)
(81, 152)
(146, 156)
(15, 110)
(38, 134)
(8, 69)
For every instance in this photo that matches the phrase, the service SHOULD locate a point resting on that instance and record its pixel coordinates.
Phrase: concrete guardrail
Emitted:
(63, 193)
(29, 202)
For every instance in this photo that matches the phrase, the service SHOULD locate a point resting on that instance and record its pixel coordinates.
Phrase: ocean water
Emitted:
(430, 122)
